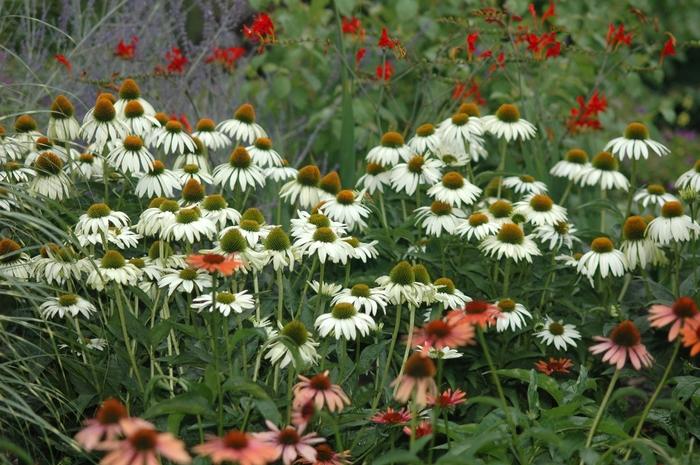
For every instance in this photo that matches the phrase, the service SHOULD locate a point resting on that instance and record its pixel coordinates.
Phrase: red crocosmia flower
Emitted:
(226, 57)
(176, 60)
(617, 36)
(458, 90)
(351, 25)
(183, 120)
(385, 72)
(126, 51)
(424, 428)
(448, 398)
(359, 55)
(471, 43)
(585, 116)
(62, 59)
(262, 29)
(392, 417)
(225, 265)
(554, 365)
(462, 92)
(531, 8)
(669, 48)
(486, 54)
(385, 41)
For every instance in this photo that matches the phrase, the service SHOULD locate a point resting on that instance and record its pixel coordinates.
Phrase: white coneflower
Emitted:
(326, 245)
(639, 249)
(56, 265)
(189, 226)
(344, 321)
(636, 144)
(14, 263)
(242, 128)
(129, 91)
(558, 333)
(326, 289)
(62, 123)
(603, 258)
(239, 171)
(196, 157)
(192, 194)
(461, 131)
(556, 235)
(279, 250)
(252, 230)
(194, 172)
(603, 171)
(44, 144)
(263, 154)
(14, 172)
(417, 171)
(304, 227)
(186, 281)
(363, 251)
(10, 149)
(157, 182)
(390, 150)
(330, 185)
(653, 194)
(138, 121)
(206, 131)
(347, 208)
(121, 238)
(501, 211)
(513, 315)
(88, 166)
(673, 225)
(510, 242)
(50, 180)
(231, 241)
(524, 185)
(113, 268)
(444, 353)
(439, 217)
(159, 214)
(104, 126)
(400, 285)
(426, 140)
(284, 172)
(477, 226)
(66, 305)
(130, 156)
(99, 218)
(304, 188)
(569, 260)
(539, 209)
(296, 333)
(690, 179)
(215, 208)
(575, 161)
(173, 139)
(26, 132)
(226, 302)
(455, 190)
(363, 298)
(507, 124)
(375, 178)
(448, 295)
(7, 200)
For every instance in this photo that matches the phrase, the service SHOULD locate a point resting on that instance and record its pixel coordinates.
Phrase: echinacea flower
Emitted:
(263, 154)
(325, 455)
(603, 258)
(400, 285)
(326, 245)
(56, 264)
(574, 162)
(507, 124)
(416, 383)
(206, 131)
(107, 424)
(540, 209)
(392, 417)
(62, 123)
(284, 172)
(237, 447)
(242, 128)
(139, 122)
(363, 298)
(558, 333)
(375, 178)
(319, 390)
(344, 321)
(460, 131)
(653, 194)
(297, 334)
(157, 182)
(639, 249)
(524, 185)
(197, 157)
(88, 166)
(447, 294)
(691, 336)
(455, 190)
(603, 172)
(510, 242)
(304, 188)
(423, 428)
(215, 208)
(557, 235)
(159, 215)
(13, 172)
(690, 179)
(554, 365)
(453, 330)
(673, 225)
(187, 281)
(346, 207)
(477, 227)
(14, 262)
(103, 125)
(50, 180)
(390, 150)
(439, 217)
(290, 442)
(189, 226)
(226, 302)
(636, 144)
(25, 131)
(142, 445)
(113, 268)
(240, 171)
(279, 250)
(362, 251)
(513, 315)
(448, 398)
(173, 139)
(426, 140)
(225, 265)
(481, 313)
(415, 172)
(682, 310)
(99, 218)
(130, 156)
(71, 305)
(129, 91)
(624, 343)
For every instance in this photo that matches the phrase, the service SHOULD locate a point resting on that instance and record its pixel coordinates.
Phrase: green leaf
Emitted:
(406, 9)
(397, 456)
(345, 7)
(281, 86)
(544, 382)
(187, 404)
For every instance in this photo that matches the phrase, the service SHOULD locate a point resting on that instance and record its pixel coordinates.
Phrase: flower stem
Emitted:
(392, 344)
(125, 335)
(501, 164)
(567, 191)
(411, 323)
(633, 186)
(319, 296)
(603, 197)
(506, 278)
(280, 297)
(601, 410)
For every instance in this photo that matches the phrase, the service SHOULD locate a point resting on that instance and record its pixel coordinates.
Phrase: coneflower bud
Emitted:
(48, 163)
(61, 108)
(330, 183)
(133, 109)
(154, 250)
(193, 191)
(245, 113)
(129, 90)
(253, 214)
(25, 123)
(402, 274)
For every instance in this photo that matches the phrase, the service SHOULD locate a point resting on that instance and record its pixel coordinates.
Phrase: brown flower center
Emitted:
(672, 209)
(320, 382)
(425, 130)
(288, 436)
(110, 412)
(205, 125)
(144, 440)
(685, 307)
(236, 439)
(636, 131)
(419, 366)
(392, 139)
(508, 113)
(625, 334)
(634, 228)
(602, 245)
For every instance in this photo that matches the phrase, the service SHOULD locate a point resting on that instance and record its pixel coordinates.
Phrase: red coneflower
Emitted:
(237, 447)
(225, 265)
(683, 309)
(481, 313)
(325, 455)
(290, 443)
(448, 398)
(302, 415)
(624, 342)
(392, 417)
(107, 424)
(143, 446)
(691, 336)
(424, 428)
(416, 381)
(319, 390)
(453, 330)
(554, 365)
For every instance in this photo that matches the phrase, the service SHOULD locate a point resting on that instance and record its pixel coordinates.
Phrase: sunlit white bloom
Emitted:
(130, 156)
(189, 226)
(390, 151)
(347, 208)
(242, 128)
(455, 190)
(375, 178)
(99, 217)
(103, 126)
(66, 305)
(559, 334)
(344, 321)
(304, 189)
(636, 144)
(121, 238)
(400, 285)
(425, 141)
(304, 227)
(638, 249)
(510, 242)
(160, 214)
(603, 258)
(14, 263)
(251, 230)
(88, 166)
(439, 217)
(263, 154)
(206, 131)
(327, 288)
(690, 179)
(10, 149)
(326, 245)
(673, 225)
(524, 185)
(280, 173)
(653, 194)
(192, 171)
(539, 209)
(198, 158)
(447, 294)
(363, 251)
(513, 316)
(57, 264)
(226, 302)
(187, 281)
(507, 124)
(215, 208)
(62, 123)
(554, 236)
(280, 251)
(50, 180)
(158, 182)
(575, 161)
(417, 171)
(172, 139)
(603, 172)
(461, 131)
(129, 91)
(113, 268)
(294, 333)
(363, 298)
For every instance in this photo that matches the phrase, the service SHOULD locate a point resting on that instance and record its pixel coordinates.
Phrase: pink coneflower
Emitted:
(481, 313)
(225, 265)
(290, 444)
(325, 455)
(321, 391)
(392, 417)
(142, 446)
(682, 309)
(239, 447)
(691, 336)
(451, 331)
(448, 398)
(424, 428)
(624, 342)
(554, 365)
(302, 415)
(416, 381)
(107, 424)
